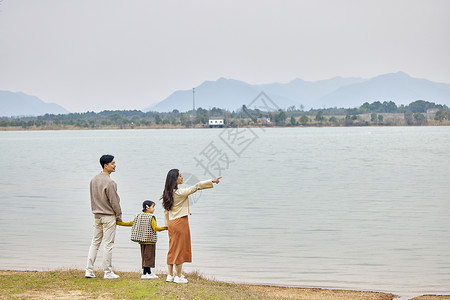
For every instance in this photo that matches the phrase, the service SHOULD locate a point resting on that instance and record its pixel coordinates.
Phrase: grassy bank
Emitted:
(71, 284)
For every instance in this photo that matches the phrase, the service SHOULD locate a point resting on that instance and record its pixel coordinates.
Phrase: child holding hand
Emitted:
(144, 232)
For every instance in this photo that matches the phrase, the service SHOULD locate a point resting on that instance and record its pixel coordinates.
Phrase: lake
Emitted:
(354, 208)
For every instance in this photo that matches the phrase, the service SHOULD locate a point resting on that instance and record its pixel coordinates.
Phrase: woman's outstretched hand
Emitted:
(217, 180)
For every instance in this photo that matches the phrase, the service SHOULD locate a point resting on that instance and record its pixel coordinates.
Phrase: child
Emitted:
(144, 232)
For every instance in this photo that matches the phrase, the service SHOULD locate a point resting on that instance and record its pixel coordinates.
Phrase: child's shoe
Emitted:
(169, 278)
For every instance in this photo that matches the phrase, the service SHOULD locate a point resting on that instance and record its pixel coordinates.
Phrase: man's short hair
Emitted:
(106, 159)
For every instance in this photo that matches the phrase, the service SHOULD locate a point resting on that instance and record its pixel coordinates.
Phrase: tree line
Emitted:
(366, 114)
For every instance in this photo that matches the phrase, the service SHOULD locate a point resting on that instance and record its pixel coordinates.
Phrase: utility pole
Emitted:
(193, 101)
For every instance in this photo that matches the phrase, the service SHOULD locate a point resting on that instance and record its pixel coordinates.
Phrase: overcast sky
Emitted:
(130, 54)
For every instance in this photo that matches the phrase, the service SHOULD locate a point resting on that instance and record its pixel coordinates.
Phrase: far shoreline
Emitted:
(74, 128)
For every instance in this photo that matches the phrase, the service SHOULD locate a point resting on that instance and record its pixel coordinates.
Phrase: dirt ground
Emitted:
(328, 294)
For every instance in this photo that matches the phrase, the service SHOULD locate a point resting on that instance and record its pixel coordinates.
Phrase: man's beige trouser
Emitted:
(104, 230)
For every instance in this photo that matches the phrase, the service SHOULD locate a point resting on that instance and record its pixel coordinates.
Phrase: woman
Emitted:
(176, 211)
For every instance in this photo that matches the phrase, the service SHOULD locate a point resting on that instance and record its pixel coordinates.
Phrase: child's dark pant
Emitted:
(148, 255)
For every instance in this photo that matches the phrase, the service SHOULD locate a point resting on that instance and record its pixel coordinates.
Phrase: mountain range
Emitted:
(231, 94)
(335, 92)
(20, 104)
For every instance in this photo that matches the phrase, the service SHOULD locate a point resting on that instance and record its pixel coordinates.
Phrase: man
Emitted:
(105, 205)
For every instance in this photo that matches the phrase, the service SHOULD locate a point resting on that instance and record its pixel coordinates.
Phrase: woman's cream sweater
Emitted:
(180, 207)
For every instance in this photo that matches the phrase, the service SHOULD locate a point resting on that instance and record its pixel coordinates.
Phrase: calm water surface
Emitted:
(360, 208)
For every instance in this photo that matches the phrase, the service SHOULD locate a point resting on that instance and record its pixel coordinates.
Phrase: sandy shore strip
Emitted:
(329, 294)
(271, 292)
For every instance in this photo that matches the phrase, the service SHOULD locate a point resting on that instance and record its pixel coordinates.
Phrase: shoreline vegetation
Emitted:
(71, 284)
(417, 113)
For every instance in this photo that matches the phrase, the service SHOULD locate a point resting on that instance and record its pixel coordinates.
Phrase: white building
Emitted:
(215, 122)
(431, 113)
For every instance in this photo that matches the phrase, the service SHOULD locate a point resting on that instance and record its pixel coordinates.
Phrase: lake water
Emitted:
(355, 208)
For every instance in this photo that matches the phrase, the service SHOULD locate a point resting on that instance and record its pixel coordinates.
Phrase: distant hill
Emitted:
(224, 93)
(335, 92)
(397, 87)
(20, 104)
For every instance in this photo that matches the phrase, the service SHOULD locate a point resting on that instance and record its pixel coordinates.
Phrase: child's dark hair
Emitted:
(147, 204)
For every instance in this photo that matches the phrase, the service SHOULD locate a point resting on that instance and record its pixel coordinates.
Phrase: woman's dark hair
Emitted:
(170, 186)
(106, 159)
